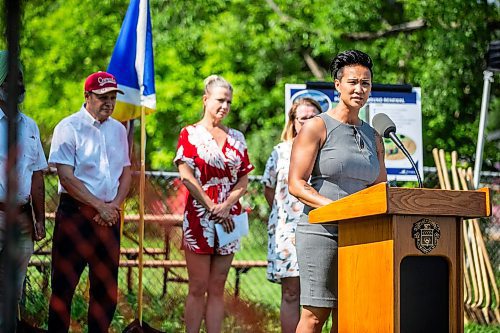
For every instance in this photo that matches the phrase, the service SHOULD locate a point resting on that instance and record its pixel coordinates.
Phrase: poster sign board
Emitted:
(403, 107)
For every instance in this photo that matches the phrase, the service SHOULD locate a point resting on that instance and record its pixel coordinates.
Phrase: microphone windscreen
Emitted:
(383, 124)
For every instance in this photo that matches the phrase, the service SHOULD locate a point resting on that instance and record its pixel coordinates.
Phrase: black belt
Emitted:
(26, 208)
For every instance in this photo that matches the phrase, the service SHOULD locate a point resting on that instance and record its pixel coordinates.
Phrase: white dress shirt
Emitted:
(97, 151)
(29, 159)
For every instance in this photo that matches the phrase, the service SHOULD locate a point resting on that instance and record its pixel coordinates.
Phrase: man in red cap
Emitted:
(90, 152)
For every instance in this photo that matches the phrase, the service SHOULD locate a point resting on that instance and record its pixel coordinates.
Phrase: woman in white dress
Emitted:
(286, 210)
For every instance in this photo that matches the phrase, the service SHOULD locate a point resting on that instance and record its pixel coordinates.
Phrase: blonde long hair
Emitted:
(289, 131)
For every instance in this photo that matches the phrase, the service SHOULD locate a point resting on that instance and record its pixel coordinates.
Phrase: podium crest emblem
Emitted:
(426, 234)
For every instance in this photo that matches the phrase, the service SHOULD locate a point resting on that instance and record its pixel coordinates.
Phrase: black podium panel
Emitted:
(424, 295)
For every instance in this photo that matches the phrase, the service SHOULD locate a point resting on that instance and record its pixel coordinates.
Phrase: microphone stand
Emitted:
(399, 144)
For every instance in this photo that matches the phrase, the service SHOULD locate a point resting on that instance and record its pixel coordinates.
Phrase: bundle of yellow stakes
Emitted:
(481, 297)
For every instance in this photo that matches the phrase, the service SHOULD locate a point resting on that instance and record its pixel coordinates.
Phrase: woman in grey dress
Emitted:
(334, 155)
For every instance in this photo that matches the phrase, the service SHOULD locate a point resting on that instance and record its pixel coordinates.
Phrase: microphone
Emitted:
(386, 128)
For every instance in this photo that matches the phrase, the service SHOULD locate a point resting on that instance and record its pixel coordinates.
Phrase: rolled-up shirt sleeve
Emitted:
(62, 149)
(185, 150)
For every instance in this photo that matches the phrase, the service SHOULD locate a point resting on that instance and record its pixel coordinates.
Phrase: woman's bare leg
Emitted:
(219, 269)
(198, 267)
(312, 319)
(290, 304)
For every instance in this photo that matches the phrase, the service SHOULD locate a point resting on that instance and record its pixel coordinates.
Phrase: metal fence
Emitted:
(253, 302)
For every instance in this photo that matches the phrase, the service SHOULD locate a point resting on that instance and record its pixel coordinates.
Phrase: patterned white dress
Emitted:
(285, 214)
(217, 170)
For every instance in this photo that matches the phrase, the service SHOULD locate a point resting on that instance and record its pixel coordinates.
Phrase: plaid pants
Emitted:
(79, 241)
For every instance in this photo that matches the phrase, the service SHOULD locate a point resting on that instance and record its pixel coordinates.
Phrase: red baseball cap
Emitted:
(101, 83)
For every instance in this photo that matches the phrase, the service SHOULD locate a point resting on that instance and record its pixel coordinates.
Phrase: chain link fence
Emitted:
(253, 302)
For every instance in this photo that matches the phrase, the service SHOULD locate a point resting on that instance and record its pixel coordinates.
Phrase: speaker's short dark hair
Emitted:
(349, 58)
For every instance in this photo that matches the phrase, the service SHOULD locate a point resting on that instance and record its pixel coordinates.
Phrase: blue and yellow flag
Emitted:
(132, 63)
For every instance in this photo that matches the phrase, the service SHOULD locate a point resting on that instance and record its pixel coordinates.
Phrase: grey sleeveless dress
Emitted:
(347, 163)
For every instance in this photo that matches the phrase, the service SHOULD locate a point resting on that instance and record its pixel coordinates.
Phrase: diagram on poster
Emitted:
(407, 116)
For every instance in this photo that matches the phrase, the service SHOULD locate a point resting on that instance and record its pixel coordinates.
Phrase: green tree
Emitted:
(259, 47)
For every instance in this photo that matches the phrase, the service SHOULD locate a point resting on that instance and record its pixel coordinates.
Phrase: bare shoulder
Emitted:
(313, 131)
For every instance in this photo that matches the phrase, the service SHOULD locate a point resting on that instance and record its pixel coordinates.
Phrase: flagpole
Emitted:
(142, 184)
(132, 64)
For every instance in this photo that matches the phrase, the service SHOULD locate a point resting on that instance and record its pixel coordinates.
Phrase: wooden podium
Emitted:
(400, 257)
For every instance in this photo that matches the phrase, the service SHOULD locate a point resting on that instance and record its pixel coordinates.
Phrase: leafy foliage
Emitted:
(260, 46)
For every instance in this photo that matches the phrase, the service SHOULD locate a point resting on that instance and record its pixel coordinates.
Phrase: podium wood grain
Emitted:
(375, 236)
(381, 199)
(366, 293)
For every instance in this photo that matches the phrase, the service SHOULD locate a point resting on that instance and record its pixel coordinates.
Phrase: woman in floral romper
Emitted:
(213, 164)
(286, 210)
